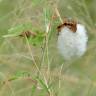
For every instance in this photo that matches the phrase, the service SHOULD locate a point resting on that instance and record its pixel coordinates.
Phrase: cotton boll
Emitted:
(71, 44)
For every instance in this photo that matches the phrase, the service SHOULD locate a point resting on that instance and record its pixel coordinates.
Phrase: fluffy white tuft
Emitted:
(72, 45)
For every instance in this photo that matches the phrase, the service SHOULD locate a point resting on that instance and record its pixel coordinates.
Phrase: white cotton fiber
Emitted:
(72, 44)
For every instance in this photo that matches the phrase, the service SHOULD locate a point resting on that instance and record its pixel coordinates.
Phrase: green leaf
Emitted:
(43, 84)
(22, 74)
(33, 90)
(18, 75)
(38, 40)
(18, 29)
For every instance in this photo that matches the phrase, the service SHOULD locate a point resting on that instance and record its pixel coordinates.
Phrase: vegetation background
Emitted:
(27, 70)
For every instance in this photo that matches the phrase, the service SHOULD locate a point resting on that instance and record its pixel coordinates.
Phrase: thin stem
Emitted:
(60, 76)
(31, 53)
(58, 14)
(29, 48)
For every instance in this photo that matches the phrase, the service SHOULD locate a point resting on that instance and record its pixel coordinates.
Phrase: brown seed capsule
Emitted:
(28, 34)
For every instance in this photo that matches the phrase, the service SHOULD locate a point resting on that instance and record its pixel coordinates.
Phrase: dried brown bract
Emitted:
(27, 34)
(71, 24)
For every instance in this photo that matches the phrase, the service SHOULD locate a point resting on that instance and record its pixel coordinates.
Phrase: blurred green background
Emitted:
(79, 79)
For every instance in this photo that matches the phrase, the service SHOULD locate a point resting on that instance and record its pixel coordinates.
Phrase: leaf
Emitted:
(19, 74)
(18, 29)
(33, 90)
(22, 74)
(38, 40)
(43, 84)
(27, 27)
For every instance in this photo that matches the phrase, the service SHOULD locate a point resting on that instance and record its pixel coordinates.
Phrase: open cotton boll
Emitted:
(72, 44)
